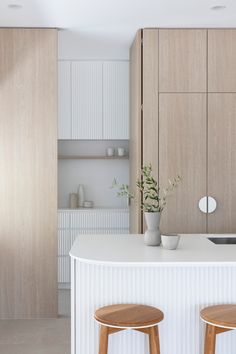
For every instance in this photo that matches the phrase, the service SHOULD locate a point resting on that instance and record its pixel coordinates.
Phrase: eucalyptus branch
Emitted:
(153, 200)
(123, 189)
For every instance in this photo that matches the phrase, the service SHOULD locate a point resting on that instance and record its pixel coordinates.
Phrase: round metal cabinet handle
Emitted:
(210, 208)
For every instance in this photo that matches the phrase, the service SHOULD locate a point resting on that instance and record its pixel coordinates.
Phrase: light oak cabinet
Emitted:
(93, 100)
(222, 161)
(222, 60)
(182, 150)
(183, 122)
(135, 143)
(182, 60)
(28, 178)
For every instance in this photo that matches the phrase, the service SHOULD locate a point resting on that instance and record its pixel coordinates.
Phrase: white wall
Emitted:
(96, 175)
(86, 46)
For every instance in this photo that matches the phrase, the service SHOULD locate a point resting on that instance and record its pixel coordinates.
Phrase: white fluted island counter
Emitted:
(108, 269)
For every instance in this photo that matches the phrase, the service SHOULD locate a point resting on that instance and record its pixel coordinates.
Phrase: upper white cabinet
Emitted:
(116, 100)
(86, 100)
(64, 100)
(93, 100)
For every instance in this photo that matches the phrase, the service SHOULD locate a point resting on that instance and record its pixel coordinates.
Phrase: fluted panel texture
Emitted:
(87, 110)
(100, 219)
(64, 100)
(116, 100)
(179, 291)
(63, 269)
(63, 219)
(72, 223)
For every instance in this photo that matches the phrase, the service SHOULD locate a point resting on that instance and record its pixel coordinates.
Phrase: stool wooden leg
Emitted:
(103, 345)
(210, 339)
(154, 340)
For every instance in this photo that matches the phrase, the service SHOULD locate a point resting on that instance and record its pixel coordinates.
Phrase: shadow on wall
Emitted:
(93, 44)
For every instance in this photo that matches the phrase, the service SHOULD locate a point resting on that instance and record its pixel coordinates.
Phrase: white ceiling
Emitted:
(116, 20)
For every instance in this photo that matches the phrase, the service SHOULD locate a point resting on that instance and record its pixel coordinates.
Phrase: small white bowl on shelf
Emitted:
(170, 241)
(88, 204)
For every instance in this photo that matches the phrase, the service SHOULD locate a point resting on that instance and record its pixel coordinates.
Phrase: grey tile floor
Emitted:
(43, 336)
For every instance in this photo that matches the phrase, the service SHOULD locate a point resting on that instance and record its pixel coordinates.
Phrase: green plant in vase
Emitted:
(153, 201)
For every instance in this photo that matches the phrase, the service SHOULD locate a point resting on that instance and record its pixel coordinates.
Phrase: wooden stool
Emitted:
(219, 319)
(140, 318)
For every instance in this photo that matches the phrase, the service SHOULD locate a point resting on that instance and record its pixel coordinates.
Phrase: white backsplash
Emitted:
(95, 175)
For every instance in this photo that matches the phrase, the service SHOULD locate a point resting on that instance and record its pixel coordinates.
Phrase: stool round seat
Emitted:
(129, 316)
(223, 316)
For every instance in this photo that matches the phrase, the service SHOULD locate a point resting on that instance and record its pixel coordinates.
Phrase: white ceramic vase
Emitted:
(152, 236)
(81, 195)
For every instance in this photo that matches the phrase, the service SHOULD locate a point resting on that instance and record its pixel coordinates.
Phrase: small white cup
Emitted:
(110, 151)
(170, 242)
(121, 151)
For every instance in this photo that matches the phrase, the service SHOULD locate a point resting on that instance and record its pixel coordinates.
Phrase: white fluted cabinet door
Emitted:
(64, 100)
(116, 100)
(87, 100)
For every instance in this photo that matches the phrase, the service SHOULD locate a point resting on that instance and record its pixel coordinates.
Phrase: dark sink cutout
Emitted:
(223, 240)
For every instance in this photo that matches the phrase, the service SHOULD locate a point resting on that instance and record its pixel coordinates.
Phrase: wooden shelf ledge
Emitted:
(91, 157)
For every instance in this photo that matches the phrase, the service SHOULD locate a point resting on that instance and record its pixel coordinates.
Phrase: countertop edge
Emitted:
(152, 264)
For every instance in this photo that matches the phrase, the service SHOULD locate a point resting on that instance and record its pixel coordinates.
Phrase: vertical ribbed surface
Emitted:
(64, 100)
(75, 222)
(116, 100)
(63, 218)
(180, 292)
(97, 219)
(87, 96)
(63, 269)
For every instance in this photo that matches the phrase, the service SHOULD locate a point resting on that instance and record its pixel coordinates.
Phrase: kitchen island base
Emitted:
(179, 289)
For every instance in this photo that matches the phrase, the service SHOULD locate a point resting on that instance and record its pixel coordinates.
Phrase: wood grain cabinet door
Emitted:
(222, 60)
(182, 150)
(28, 178)
(222, 161)
(135, 145)
(182, 60)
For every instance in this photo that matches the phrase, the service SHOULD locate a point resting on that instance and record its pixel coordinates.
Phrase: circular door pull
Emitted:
(210, 208)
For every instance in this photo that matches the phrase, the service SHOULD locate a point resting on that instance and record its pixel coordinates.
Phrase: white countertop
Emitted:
(129, 250)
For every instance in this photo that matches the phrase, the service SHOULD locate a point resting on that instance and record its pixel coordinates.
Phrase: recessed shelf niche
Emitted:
(85, 162)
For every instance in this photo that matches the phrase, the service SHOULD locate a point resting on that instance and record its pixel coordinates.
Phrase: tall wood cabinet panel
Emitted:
(150, 98)
(116, 100)
(182, 60)
(222, 161)
(135, 147)
(182, 145)
(87, 105)
(64, 100)
(221, 60)
(186, 108)
(28, 164)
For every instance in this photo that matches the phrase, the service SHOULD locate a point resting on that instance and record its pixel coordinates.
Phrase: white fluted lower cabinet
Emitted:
(72, 223)
(109, 269)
